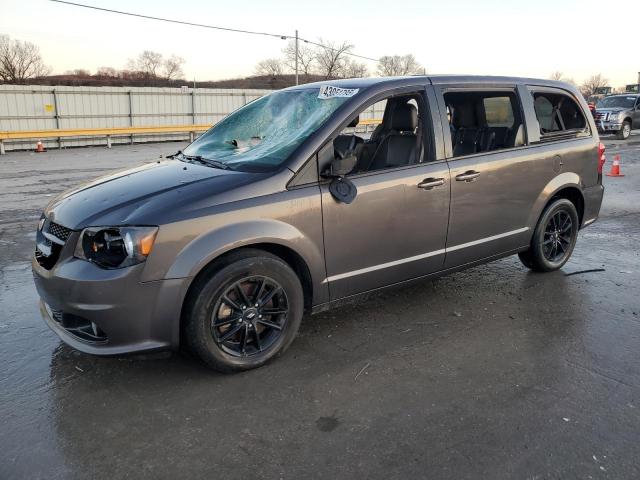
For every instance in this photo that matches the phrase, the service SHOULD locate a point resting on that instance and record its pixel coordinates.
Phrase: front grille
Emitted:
(79, 327)
(59, 231)
(602, 116)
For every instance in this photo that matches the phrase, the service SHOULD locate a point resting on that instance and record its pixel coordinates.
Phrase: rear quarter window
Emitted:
(559, 116)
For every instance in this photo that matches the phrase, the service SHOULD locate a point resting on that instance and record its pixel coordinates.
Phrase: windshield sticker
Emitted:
(327, 91)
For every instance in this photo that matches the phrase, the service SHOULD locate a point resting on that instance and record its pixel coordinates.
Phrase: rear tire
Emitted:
(554, 237)
(244, 312)
(625, 131)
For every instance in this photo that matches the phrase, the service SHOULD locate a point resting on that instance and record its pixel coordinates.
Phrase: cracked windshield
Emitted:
(260, 136)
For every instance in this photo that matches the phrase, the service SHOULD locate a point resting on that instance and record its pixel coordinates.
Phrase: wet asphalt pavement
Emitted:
(493, 373)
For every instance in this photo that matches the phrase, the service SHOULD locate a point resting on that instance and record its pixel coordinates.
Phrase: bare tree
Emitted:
(332, 58)
(271, 67)
(355, 69)
(397, 65)
(135, 75)
(558, 75)
(592, 84)
(107, 72)
(20, 61)
(148, 62)
(306, 57)
(172, 67)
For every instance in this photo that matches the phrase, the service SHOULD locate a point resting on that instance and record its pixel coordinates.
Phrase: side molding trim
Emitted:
(401, 261)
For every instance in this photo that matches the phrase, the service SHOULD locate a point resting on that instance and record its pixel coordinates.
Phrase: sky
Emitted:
(520, 38)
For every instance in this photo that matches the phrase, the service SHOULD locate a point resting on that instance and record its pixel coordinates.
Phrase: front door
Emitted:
(395, 229)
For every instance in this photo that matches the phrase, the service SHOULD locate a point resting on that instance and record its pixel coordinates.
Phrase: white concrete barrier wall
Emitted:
(37, 107)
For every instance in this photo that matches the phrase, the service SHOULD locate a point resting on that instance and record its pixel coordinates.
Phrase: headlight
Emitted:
(115, 247)
(614, 116)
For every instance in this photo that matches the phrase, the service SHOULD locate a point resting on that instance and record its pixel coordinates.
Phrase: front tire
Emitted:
(625, 131)
(244, 311)
(554, 237)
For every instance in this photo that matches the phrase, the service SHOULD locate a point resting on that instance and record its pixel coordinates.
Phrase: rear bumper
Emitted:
(592, 203)
(108, 312)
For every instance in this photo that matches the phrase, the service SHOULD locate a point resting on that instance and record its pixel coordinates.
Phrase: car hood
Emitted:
(611, 110)
(141, 195)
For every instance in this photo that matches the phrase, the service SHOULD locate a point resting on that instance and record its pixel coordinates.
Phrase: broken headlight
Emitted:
(115, 247)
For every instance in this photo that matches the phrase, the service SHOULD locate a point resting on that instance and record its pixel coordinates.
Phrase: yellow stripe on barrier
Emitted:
(100, 132)
(109, 132)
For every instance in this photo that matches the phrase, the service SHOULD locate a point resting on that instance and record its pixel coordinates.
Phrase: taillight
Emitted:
(601, 156)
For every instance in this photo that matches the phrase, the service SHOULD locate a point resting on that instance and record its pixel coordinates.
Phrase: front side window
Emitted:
(483, 121)
(260, 136)
(559, 116)
(387, 134)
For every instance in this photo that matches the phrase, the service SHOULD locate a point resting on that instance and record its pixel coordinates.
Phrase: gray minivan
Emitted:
(313, 195)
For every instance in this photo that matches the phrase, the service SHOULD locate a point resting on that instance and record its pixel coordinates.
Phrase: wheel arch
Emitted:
(574, 195)
(283, 252)
(209, 251)
(566, 185)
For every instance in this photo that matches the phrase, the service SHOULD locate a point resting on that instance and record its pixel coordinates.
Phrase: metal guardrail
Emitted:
(117, 131)
(98, 132)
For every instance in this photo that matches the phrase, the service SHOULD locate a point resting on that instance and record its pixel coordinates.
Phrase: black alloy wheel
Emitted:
(554, 237)
(249, 316)
(557, 236)
(243, 310)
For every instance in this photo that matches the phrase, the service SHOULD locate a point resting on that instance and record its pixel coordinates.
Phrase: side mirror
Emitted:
(342, 166)
(342, 189)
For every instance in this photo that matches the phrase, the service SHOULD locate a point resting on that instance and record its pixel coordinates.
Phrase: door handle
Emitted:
(429, 183)
(468, 176)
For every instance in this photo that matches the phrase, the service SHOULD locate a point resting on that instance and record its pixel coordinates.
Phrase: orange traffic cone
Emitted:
(615, 168)
(40, 147)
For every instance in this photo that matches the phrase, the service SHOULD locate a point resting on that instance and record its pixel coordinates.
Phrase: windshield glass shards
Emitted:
(260, 136)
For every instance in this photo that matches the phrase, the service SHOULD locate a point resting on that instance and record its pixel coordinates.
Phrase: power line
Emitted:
(214, 27)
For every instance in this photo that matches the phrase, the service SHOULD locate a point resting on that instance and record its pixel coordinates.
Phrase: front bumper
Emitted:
(108, 312)
(608, 127)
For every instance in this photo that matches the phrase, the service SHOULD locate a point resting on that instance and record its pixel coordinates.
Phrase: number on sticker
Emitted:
(328, 91)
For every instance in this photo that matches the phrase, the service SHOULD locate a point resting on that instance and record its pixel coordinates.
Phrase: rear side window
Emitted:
(559, 116)
(498, 111)
(483, 120)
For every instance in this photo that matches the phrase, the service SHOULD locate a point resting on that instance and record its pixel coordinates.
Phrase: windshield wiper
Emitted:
(204, 161)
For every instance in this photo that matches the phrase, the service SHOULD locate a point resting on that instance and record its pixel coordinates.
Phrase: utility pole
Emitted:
(297, 57)
(193, 106)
